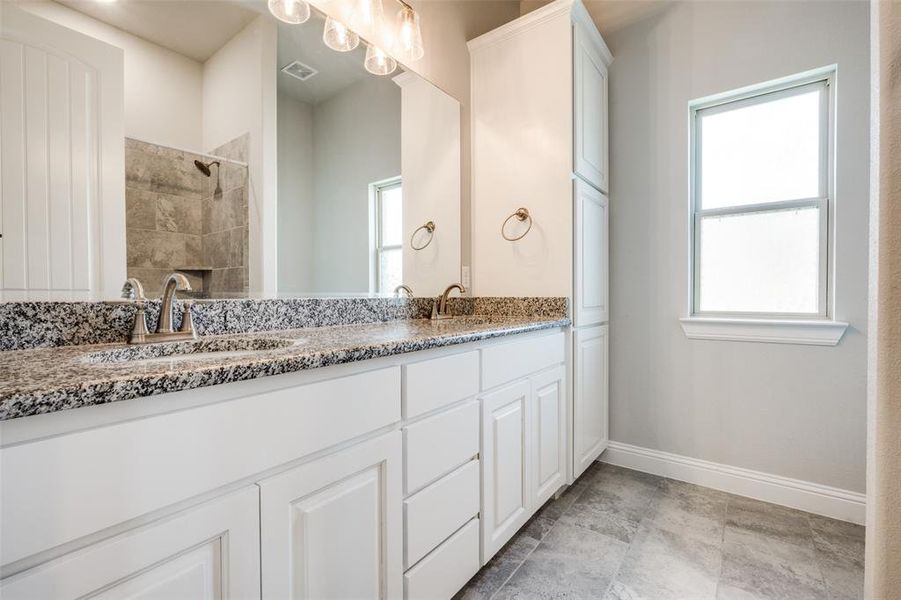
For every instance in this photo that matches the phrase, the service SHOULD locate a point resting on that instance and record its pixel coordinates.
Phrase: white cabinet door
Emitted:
(332, 528)
(204, 553)
(590, 105)
(592, 259)
(590, 434)
(506, 465)
(548, 440)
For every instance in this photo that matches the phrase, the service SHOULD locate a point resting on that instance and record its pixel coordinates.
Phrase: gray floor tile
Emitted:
(663, 564)
(570, 562)
(839, 549)
(499, 569)
(767, 567)
(786, 524)
(690, 511)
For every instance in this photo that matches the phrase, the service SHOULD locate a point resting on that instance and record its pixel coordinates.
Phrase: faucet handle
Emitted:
(187, 321)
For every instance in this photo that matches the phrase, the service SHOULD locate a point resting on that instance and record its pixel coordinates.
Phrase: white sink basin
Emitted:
(189, 350)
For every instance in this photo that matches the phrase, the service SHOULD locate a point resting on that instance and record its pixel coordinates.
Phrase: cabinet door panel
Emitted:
(206, 553)
(590, 420)
(331, 528)
(591, 260)
(590, 119)
(506, 464)
(548, 434)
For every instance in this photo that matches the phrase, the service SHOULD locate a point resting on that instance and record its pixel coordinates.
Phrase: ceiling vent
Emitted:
(298, 70)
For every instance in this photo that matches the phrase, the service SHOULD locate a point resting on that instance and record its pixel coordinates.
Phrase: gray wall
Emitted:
(795, 411)
(295, 195)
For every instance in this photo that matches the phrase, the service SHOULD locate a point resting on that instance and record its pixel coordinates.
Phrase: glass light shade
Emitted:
(378, 62)
(290, 11)
(338, 36)
(368, 16)
(409, 35)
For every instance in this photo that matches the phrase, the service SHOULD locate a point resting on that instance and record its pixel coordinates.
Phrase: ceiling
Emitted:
(194, 28)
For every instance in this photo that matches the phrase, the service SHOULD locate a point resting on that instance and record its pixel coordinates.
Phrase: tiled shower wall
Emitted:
(175, 220)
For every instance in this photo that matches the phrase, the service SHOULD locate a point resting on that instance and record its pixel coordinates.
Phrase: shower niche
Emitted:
(188, 212)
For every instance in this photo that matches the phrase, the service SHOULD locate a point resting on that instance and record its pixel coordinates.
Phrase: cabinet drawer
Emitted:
(431, 384)
(506, 362)
(447, 569)
(436, 512)
(439, 444)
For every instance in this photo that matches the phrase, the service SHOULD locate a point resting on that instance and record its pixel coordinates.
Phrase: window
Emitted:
(387, 235)
(761, 170)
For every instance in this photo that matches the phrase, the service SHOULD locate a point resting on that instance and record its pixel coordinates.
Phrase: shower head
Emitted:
(205, 167)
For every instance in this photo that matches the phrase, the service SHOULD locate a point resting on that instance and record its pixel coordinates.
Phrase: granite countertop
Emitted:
(45, 380)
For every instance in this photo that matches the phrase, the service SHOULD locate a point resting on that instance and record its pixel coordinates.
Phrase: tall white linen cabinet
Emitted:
(539, 142)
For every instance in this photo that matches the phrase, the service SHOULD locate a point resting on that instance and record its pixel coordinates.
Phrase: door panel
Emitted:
(549, 434)
(590, 119)
(332, 528)
(591, 260)
(506, 464)
(205, 553)
(590, 419)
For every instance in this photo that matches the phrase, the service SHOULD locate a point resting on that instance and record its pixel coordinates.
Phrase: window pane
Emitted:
(761, 262)
(763, 152)
(392, 216)
(390, 270)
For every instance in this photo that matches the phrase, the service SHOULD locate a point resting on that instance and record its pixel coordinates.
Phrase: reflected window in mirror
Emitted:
(387, 217)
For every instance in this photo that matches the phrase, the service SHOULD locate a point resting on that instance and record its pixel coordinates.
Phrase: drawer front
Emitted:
(505, 362)
(431, 384)
(442, 573)
(433, 514)
(439, 444)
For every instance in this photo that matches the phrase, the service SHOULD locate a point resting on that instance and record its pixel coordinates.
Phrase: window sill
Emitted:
(773, 331)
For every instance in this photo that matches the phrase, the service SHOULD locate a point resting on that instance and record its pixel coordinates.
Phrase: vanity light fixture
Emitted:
(378, 62)
(290, 11)
(409, 35)
(338, 36)
(369, 16)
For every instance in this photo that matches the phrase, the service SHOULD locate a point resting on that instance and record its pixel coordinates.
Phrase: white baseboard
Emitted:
(803, 495)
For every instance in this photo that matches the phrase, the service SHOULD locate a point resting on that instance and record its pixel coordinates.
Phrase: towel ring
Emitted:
(430, 227)
(521, 215)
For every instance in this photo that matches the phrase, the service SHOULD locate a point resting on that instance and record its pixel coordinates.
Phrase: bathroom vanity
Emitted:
(397, 474)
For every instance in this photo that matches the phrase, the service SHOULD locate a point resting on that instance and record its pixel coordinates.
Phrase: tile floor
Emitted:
(618, 534)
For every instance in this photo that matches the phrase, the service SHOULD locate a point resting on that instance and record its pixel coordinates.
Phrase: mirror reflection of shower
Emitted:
(205, 169)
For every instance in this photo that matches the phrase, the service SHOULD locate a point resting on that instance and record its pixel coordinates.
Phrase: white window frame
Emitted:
(375, 230)
(805, 328)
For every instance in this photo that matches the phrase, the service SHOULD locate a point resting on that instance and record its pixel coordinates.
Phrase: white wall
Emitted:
(356, 142)
(430, 165)
(795, 411)
(240, 96)
(295, 195)
(163, 89)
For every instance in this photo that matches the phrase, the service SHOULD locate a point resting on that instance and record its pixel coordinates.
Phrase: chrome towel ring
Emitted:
(430, 228)
(521, 214)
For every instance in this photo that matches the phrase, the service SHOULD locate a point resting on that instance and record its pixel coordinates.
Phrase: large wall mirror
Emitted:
(142, 137)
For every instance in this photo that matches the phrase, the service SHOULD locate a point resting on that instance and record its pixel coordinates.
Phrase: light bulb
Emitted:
(378, 62)
(338, 37)
(409, 42)
(368, 16)
(290, 11)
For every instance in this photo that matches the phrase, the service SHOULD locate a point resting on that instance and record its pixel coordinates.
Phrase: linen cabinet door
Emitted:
(590, 419)
(506, 465)
(590, 111)
(332, 528)
(591, 258)
(210, 552)
(548, 439)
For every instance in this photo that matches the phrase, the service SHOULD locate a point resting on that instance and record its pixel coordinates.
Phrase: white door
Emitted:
(205, 553)
(506, 465)
(590, 105)
(590, 417)
(548, 434)
(62, 179)
(592, 255)
(332, 528)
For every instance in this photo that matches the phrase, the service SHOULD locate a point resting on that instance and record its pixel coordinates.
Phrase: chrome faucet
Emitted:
(439, 308)
(405, 289)
(164, 332)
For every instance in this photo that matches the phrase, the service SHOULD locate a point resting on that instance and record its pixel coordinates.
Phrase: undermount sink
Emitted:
(189, 350)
